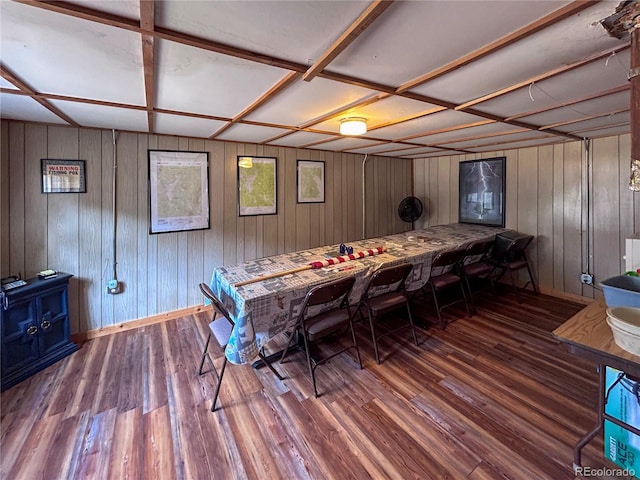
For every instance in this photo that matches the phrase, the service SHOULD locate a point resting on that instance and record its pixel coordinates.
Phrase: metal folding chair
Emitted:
(512, 259)
(220, 328)
(444, 275)
(390, 282)
(325, 311)
(475, 265)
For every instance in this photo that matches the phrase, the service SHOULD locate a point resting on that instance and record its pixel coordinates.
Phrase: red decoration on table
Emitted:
(345, 258)
(317, 264)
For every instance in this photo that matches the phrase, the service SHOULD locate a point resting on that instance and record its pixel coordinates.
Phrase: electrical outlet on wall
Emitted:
(113, 286)
(586, 278)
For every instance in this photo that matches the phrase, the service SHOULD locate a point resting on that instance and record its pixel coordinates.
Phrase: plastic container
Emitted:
(622, 291)
(625, 326)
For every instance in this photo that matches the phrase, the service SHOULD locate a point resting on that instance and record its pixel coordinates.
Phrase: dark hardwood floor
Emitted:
(492, 396)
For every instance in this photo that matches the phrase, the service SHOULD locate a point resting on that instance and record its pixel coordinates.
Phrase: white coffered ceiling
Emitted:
(430, 77)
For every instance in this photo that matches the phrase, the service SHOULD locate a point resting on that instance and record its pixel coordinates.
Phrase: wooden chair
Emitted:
(390, 282)
(325, 311)
(475, 265)
(444, 276)
(220, 328)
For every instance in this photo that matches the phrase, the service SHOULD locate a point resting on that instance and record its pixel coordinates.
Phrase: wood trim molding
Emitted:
(147, 11)
(480, 137)
(141, 322)
(569, 296)
(542, 76)
(540, 24)
(582, 119)
(445, 130)
(370, 14)
(163, 317)
(281, 85)
(11, 77)
(612, 91)
(77, 11)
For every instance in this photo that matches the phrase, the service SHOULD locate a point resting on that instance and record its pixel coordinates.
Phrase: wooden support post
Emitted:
(624, 23)
(634, 80)
(634, 74)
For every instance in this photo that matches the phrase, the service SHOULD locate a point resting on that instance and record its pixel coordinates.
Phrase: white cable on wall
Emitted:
(364, 197)
(115, 224)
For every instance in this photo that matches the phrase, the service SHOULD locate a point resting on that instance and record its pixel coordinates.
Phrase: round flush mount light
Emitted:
(353, 126)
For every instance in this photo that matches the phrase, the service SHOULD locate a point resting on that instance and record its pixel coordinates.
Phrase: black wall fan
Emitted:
(410, 209)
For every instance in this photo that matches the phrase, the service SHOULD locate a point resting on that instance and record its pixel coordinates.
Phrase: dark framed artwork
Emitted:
(178, 191)
(310, 181)
(482, 191)
(257, 185)
(63, 176)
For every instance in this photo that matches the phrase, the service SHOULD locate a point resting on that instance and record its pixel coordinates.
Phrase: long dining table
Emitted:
(267, 307)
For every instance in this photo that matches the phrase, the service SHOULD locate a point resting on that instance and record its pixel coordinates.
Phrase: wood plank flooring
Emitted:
(492, 396)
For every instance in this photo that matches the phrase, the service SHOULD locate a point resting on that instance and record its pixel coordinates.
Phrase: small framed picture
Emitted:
(310, 181)
(257, 185)
(178, 191)
(63, 176)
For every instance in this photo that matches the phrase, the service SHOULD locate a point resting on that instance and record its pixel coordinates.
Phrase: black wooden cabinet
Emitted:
(34, 327)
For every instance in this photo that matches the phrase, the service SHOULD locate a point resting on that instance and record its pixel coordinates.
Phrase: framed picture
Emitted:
(310, 181)
(482, 191)
(178, 191)
(63, 176)
(257, 186)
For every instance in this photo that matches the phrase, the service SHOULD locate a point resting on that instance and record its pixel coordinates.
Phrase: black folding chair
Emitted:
(220, 328)
(325, 311)
(512, 259)
(475, 265)
(390, 282)
(444, 275)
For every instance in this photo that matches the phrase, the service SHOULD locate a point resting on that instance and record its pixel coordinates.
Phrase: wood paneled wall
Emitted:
(579, 207)
(160, 273)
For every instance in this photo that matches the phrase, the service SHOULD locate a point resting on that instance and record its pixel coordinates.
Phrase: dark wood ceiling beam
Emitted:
(507, 142)
(449, 105)
(540, 24)
(408, 118)
(392, 150)
(634, 81)
(334, 114)
(568, 103)
(346, 110)
(12, 78)
(216, 47)
(147, 22)
(480, 137)
(543, 76)
(335, 137)
(278, 137)
(445, 130)
(582, 119)
(85, 13)
(66, 98)
(97, 16)
(320, 142)
(197, 42)
(282, 84)
(370, 14)
(601, 127)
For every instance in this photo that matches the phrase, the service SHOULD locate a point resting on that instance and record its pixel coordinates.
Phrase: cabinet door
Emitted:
(53, 320)
(19, 336)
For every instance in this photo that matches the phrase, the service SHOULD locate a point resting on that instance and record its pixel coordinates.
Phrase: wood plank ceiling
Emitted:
(430, 77)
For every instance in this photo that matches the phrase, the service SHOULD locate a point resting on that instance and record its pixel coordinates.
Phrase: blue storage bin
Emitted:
(622, 291)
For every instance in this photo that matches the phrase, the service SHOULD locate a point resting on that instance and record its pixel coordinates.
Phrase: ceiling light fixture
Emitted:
(245, 162)
(353, 126)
